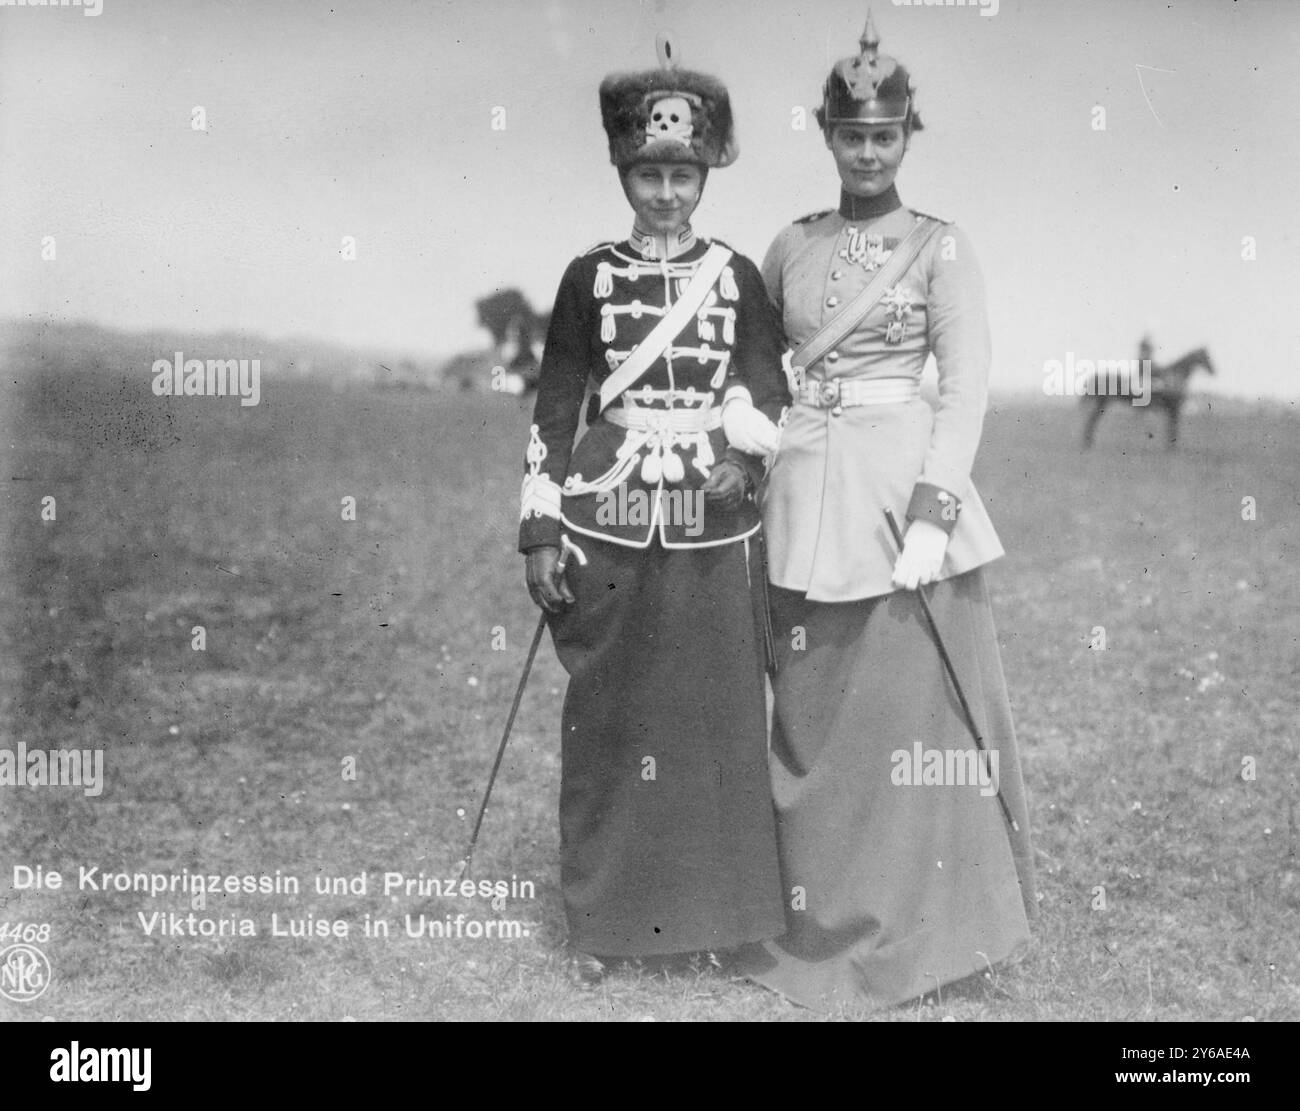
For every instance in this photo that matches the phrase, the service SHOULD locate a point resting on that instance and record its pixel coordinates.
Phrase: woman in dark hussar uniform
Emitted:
(899, 870)
(666, 825)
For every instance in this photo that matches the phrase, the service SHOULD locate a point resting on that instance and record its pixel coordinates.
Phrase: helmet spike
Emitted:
(870, 40)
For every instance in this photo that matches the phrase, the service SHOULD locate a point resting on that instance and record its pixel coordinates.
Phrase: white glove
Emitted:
(747, 429)
(922, 556)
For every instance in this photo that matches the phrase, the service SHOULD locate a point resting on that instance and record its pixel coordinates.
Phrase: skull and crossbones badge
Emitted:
(670, 118)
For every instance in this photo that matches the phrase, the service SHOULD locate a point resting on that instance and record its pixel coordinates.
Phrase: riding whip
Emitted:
(952, 674)
(567, 546)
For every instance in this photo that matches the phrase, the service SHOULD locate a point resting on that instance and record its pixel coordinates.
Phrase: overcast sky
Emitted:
(374, 119)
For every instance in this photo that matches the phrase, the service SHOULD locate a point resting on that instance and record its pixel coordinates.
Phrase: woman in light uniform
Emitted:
(897, 877)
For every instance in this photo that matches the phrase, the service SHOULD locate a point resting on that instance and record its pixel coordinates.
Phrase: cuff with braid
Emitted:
(934, 504)
(539, 512)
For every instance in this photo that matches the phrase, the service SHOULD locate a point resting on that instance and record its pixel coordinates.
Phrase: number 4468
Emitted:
(17, 931)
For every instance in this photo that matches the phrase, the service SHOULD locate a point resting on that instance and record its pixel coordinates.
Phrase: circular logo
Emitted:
(24, 973)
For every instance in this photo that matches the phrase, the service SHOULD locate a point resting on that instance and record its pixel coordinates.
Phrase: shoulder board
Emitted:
(813, 217)
(930, 216)
(598, 247)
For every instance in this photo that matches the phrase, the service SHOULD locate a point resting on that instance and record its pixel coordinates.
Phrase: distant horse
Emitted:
(1168, 392)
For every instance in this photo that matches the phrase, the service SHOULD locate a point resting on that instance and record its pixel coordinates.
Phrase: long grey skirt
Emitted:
(899, 871)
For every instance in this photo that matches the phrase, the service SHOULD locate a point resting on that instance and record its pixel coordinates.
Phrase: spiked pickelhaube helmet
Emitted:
(667, 115)
(868, 87)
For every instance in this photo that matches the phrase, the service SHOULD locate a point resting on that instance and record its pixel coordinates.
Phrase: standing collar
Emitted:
(644, 243)
(853, 207)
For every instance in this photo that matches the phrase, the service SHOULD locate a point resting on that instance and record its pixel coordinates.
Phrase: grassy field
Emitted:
(342, 717)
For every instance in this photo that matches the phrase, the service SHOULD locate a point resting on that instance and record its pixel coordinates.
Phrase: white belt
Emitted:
(836, 393)
(643, 419)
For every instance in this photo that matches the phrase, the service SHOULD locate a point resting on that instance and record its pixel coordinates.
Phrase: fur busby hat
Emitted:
(667, 115)
(868, 87)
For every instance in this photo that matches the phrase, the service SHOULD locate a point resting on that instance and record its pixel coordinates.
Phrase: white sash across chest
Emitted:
(672, 322)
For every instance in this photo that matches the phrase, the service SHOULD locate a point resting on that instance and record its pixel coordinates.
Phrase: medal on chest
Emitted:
(862, 249)
(897, 302)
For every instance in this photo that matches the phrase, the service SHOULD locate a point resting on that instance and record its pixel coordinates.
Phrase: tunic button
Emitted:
(836, 275)
(832, 356)
(831, 302)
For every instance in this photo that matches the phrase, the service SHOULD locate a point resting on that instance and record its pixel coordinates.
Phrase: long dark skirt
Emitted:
(667, 836)
(899, 871)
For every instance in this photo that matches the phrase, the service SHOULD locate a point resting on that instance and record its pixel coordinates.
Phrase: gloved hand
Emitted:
(725, 486)
(747, 429)
(922, 556)
(547, 588)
